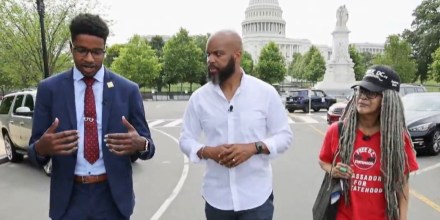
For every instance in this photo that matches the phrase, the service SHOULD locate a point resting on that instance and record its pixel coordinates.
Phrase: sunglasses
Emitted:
(369, 94)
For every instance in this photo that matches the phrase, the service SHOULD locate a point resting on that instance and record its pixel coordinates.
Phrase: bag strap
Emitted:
(340, 124)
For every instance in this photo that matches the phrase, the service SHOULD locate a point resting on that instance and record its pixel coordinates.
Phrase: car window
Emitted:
(421, 103)
(6, 104)
(410, 90)
(420, 89)
(319, 94)
(29, 102)
(18, 102)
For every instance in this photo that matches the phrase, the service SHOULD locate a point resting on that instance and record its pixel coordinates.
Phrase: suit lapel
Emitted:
(69, 94)
(108, 92)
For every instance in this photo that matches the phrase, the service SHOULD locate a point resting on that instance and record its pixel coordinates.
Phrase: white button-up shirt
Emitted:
(255, 113)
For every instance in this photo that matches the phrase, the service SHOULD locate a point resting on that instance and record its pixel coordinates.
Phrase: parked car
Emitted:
(422, 114)
(335, 111)
(16, 112)
(299, 99)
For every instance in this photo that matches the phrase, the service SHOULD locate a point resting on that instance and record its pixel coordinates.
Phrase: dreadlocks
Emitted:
(393, 157)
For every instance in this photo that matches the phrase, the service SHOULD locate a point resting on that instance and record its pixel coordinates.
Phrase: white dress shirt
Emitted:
(83, 167)
(255, 113)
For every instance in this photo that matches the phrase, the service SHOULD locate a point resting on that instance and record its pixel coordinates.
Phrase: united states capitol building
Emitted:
(264, 22)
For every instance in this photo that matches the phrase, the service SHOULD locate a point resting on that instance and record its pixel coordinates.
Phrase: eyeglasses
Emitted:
(84, 51)
(369, 94)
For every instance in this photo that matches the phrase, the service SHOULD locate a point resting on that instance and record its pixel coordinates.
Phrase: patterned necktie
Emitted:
(91, 146)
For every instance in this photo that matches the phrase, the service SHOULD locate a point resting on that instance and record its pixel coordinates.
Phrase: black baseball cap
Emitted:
(380, 78)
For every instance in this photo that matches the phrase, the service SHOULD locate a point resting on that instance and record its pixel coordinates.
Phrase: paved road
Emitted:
(167, 187)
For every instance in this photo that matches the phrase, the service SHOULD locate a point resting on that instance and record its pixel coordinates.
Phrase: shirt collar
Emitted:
(99, 76)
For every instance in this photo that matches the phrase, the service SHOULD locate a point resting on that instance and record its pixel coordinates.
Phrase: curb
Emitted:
(3, 159)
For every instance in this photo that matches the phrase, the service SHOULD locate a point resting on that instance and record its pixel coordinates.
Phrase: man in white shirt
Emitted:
(244, 125)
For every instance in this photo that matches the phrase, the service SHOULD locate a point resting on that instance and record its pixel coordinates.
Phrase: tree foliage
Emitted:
(201, 41)
(359, 63)
(138, 62)
(20, 37)
(434, 69)
(157, 44)
(271, 67)
(295, 67)
(397, 54)
(112, 53)
(424, 35)
(247, 63)
(314, 66)
(181, 59)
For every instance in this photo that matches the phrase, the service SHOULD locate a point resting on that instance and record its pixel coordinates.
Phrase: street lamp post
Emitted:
(40, 9)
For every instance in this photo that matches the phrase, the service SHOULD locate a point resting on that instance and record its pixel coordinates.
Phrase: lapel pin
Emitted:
(110, 85)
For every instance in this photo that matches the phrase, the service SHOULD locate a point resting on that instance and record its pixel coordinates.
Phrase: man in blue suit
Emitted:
(89, 122)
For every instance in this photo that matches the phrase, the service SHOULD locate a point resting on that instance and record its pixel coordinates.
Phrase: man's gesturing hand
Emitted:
(61, 143)
(125, 143)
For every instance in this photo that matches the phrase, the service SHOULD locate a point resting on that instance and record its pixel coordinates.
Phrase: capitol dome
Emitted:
(264, 23)
(264, 17)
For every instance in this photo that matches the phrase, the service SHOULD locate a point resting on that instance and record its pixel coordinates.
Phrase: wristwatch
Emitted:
(146, 146)
(259, 146)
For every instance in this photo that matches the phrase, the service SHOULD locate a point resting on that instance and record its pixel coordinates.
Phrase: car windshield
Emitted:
(298, 93)
(425, 102)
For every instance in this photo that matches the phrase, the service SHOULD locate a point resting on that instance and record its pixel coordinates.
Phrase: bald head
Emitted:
(229, 38)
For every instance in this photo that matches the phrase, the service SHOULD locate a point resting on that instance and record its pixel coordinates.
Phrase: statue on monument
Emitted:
(342, 16)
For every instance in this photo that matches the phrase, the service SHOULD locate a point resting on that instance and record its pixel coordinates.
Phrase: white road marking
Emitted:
(307, 119)
(156, 122)
(177, 188)
(174, 123)
(424, 170)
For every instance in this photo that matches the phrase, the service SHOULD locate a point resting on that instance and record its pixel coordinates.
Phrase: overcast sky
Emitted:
(369, 20)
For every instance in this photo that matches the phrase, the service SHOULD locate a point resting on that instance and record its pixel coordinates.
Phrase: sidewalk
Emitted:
(3, 158)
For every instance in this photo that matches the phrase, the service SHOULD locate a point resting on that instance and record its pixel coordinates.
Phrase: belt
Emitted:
(90, 179)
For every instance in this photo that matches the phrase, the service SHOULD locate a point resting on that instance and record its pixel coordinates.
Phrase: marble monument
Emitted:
(339, 74)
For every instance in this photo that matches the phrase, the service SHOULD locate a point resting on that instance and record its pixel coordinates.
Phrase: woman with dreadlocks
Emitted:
(374, 153)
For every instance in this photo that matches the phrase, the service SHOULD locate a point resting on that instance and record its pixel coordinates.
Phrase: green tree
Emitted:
(138, 62)
(359, 62)
(295, 67)
(424, 35)
(316, 67)
(434, 69)
(112, 53)
(181, 59)
(397, 54)
(271, 67)
(201, 41)
(157, 43)
(247, 63)
(312, 66)
(367, 58)
(20, 37)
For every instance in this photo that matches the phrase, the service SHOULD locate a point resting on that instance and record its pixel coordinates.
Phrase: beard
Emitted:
(223, 74)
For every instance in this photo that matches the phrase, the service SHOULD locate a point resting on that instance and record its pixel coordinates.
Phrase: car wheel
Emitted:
(48, 168)
(12, 155)
(291, 110)
(306, 109)
(316, 109)
(434, 145)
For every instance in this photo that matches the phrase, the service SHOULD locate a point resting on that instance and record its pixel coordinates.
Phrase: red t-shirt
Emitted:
(366, 188)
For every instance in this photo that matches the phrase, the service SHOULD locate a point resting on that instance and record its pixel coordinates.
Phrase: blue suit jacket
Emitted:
(55, 99)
